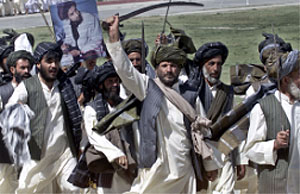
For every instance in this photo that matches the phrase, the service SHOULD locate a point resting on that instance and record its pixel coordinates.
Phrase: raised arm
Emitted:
(133, 80)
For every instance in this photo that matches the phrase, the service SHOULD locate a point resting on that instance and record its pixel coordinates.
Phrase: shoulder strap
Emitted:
(176, 99)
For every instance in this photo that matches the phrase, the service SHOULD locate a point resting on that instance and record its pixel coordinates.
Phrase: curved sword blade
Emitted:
(105, 26)
(156, 6)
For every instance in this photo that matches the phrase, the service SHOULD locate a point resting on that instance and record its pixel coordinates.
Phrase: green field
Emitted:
(240, 30)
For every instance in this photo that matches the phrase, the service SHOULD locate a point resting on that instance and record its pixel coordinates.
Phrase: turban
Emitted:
(5, 50)
(15, 56)
(45, 47)
(134, 45)
(289, 64)
(169, 54)
(267, 46)
(63, 8)
(100, 74)
(209, 51)
(183, 41)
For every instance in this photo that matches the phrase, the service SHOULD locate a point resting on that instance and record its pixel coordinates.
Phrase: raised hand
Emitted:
(113, 32)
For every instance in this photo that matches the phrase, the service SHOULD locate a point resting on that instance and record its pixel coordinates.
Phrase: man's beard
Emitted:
(77, 22)
(20, 77)
(45, 75)
(209, 78)
(294, 90)
(166, 82)
(113, 95)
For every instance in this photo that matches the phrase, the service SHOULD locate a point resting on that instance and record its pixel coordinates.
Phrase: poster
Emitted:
(77, 29)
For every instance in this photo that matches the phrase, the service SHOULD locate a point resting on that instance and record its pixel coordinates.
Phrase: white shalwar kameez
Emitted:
(172, 172)
(257, 148)
(225, 181)
(50, 174)
(293, 179)
(8, 178)
(101, 144)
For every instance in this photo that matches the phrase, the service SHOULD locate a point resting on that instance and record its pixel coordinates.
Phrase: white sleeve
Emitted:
(132, 79)
(99, 142)
(19, 96)
(257, 148)
(242, 159)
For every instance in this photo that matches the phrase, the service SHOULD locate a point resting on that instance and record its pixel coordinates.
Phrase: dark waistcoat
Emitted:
(37, 102)
(5, 92)
(147, 123)
(272, 179)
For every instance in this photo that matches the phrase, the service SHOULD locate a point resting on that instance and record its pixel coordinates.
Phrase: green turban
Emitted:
(15, 56)
(169, 54)
(134, 45)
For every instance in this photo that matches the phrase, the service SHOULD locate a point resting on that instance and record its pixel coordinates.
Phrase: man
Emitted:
(20, 64)
(107, 83)
(32, 6)
(53, 146)
(269, 143)
(82, 33)
(185, 43)
(270, 49)
(165, 146)
(217, 99)
(5, 77)
(133, 49)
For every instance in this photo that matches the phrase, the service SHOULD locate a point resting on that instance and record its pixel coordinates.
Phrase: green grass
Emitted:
(240, 31)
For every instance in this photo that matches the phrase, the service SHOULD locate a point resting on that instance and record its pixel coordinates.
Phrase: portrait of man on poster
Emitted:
(77, 29)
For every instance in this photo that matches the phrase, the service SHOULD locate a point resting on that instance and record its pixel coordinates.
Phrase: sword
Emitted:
(278, 79)
(166, 16)
(143, 49)
(105, 25)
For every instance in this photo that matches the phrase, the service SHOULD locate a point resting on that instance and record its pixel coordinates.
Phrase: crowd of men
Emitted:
(129, 126)
(20, 7)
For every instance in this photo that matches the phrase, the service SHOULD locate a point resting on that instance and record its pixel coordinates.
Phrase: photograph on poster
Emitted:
(77, 30)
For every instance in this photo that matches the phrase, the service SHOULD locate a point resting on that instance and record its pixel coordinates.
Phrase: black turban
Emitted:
(134, 45)
(100, 74)
(63, 8)
(209, 51)
(15, 56)
(45, 47)
(5, 50)
(168, 53)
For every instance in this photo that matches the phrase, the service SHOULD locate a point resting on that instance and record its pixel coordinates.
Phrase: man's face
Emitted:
(136, 60)
(112, 88)
(294, 84)
(65, 68)
(212, 69)
(48, 69)
(90, 63)
(73, 14)
(22, 70)
(168, 73)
